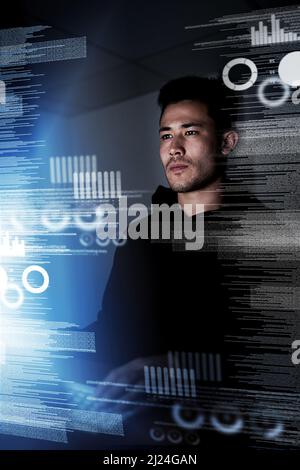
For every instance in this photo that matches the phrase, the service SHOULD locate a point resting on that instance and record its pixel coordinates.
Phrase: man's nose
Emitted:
(176, 147)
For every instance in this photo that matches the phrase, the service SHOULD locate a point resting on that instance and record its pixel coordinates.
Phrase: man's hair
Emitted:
(209, 91)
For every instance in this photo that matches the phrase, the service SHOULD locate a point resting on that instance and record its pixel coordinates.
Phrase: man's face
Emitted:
(189, 148)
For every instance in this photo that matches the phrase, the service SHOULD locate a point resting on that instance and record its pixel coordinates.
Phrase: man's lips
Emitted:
(177, 168)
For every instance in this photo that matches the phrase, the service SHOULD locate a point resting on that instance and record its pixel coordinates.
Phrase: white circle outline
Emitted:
(43, 272)
(272, 103)
(226, 428)
(239, 61)
(103, 243)
(195, 424)
(119, 241)
(18, 302)
(155, 438)
(84, 225)
(91, 241)
(171, 439)
(55, 226)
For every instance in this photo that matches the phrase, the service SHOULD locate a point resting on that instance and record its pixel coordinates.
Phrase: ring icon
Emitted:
(240, 61)
(28, 287)
(273, 103)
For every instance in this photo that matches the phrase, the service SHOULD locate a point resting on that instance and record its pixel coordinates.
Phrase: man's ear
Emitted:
(229, 141)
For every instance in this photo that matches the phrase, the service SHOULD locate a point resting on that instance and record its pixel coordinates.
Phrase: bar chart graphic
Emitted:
(207, 365)
(81, 172)
(170, 381)
(63, 168)
(262, 36)
(97, 185)
(11, 247)
(184, 370)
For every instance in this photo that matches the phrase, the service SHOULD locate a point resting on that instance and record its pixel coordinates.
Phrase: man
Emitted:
(165, 306)
(158, 292)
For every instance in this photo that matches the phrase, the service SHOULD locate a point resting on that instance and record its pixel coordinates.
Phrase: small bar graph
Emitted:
(97, 185)
(63, 168)
(207, 366)
(11, 247)
(261, 36)
(170, 381)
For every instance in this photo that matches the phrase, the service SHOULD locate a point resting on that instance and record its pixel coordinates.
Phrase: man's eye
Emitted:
(192, 132)
(166, 136)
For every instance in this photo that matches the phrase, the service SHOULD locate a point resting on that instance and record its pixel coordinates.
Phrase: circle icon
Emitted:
(227, 422)
(272, 103)
(157, 434)
(51, 221)
(174, 436)
(28, 287)
(192, 438)
(16, 303)
(187, 418)
(102, 243)
(119, 241)
(86, 239)
(289, 69)
(88, 221)
(242, 86)
(266, 423)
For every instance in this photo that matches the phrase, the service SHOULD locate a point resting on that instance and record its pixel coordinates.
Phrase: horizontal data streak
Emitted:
(261, 36)
(100, 185)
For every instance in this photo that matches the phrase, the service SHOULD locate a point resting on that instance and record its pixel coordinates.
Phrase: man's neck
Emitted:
(210, 197)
